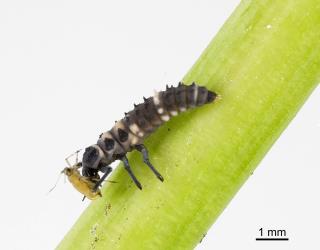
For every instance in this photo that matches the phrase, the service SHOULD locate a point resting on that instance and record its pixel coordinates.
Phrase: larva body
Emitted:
(129, 133)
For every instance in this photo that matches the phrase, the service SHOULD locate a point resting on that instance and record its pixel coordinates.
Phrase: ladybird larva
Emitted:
(129, 133)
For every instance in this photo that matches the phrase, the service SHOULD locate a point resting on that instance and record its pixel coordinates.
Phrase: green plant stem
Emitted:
(264, 63)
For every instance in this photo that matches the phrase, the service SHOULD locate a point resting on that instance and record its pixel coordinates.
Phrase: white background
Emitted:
(68, 69)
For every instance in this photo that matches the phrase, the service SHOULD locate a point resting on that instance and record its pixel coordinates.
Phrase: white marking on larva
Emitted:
(173, 113)
(134, 128)
(160, 111)
(156, 99)
(195, 97)
(134, 140)
(103, 135)
(165, 118)
(140, 134)
(119, 124)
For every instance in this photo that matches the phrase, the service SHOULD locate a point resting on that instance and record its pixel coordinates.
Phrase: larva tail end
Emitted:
(211, 96)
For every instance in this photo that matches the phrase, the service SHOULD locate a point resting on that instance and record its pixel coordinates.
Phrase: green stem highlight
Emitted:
(264, 63)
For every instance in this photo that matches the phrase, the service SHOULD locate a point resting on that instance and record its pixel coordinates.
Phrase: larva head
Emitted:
(95, 157)
(83, 184)
(92, 157)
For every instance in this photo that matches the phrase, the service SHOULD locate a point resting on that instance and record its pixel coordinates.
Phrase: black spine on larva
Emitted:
(150, 113)
(138, 117)
(169, 100)
(154, 111)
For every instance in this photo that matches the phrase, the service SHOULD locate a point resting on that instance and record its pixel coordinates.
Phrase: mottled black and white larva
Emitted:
(129, 133)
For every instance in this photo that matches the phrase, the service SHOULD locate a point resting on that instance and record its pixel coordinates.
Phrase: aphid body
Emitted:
(129, 133)
(81, 183)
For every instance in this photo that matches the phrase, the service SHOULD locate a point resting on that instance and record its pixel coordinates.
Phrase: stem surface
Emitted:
(264, 63)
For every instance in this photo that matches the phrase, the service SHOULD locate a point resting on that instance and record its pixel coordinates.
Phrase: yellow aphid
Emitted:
(83, 184)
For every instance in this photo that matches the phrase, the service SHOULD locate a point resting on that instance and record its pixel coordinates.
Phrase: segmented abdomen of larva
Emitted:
(154, 111)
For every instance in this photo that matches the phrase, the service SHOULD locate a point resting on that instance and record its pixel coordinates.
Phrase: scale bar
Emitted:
(272, 239)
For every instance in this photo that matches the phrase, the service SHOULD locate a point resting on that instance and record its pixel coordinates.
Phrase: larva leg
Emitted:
(106, 171)
(141, 148)
(125, 161)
